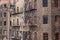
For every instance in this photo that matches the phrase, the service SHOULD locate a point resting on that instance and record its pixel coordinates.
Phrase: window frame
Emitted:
(45, 35)
(56, 36)
(17, 9)
(5, 5)
(5, 14)
(45, 3)
(45, 19)
(4, 23)
(0, 23)
(35, 4)
(56, 3)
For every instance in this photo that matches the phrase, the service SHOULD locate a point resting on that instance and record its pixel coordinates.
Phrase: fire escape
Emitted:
(29, 15)
(15, 27)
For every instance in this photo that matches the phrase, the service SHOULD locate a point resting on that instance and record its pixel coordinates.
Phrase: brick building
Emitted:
(32, 19)
(5, 18)
(38, 16)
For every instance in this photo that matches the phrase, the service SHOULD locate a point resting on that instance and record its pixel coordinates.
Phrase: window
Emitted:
(57, 36)
(13, 22)
(4, 32)
(45, 3)
(10, 23)
(5, 5)
(12, 33)
(56, 3)
(35, 4)
(29, 20)
(0, 14)
(0, 31)
(35, 35)
(5, 23)
(25, 35)
(0, 23)
(35, 19)
(17, 9)
(45, 36)
(17, 22)
(4, 14)
(10, 15)
(45, 19)
(57, 19)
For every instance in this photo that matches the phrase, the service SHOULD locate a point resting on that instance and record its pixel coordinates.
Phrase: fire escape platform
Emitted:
(17, 26)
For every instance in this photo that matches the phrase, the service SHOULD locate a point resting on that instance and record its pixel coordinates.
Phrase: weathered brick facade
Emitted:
(33, 20)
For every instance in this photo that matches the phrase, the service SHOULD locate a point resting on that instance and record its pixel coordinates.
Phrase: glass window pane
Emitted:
(45, 19)
(45, 36)
(45, 3)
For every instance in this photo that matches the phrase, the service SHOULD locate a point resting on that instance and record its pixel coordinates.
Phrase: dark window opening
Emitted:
(0, 23)
(0, 14)
(17, 9)
(0, 31)
(56, 3)
(17, 21)
(4, 14)
(10, 23)
(5, 23)
(45, 19)
(10, 15)
(5, 5)
(45, 36)
(57, 19)
(45, 3)
(57, 36)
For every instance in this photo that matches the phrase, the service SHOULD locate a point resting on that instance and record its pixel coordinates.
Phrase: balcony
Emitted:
(31, 10)
(31, 24)
(16, 26)
(15, 39)
(17, 13)
(12, 6)
(26, 11)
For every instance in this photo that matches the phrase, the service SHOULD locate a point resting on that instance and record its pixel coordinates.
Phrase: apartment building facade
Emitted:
(31, 20)
(6, 9)
(46, 28)
(36, 19)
